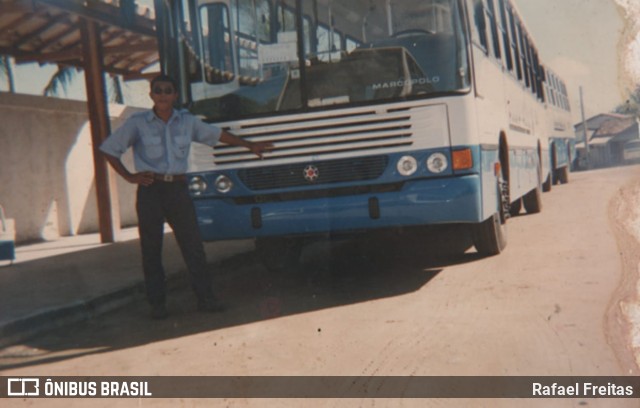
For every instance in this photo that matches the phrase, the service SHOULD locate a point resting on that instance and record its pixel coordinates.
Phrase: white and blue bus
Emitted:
(382, 113)
(562, 143)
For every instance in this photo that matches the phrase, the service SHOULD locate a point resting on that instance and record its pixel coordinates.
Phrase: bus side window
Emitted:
(566, 97)
(217, 37)
(252, 29)
(506, 42)
(530, 65)
(191, 41)
(491, 14)
(539, 76)
(523, 58)
(479, 29)
(514, 43)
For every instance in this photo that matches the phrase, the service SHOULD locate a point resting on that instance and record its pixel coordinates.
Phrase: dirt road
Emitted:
(555, 303)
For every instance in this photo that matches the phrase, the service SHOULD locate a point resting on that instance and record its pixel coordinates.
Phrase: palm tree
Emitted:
(6, 71)
(117, 95)
(65, 75)
(62, 78)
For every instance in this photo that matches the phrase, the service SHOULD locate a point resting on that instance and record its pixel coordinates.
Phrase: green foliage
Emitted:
(6, 72)
(631, 106)
(116, 92)
(61, 79)
(64, 76)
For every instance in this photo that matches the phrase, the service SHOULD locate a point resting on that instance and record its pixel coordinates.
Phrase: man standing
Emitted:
(161, 139)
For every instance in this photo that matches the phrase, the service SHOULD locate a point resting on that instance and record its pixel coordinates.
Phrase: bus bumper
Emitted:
(419, 202)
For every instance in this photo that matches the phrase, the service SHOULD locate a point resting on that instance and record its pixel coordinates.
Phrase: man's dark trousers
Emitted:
(170, 201)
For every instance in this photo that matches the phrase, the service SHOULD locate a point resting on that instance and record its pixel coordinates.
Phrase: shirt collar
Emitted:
(174, 116)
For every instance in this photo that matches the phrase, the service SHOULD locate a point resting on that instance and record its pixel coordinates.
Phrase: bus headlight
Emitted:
(223, 184)
(407, 165)
(437, 163)
(197, 185)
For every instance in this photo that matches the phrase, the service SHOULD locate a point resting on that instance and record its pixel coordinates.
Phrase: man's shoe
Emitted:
(210, 305)
(159, 312)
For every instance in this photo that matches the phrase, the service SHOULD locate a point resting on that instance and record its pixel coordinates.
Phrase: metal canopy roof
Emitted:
(48, 31)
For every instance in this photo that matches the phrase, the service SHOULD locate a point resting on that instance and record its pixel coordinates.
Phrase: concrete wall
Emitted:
(46, 167)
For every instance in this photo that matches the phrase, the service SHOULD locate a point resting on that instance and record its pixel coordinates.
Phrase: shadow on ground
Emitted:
(332, 273)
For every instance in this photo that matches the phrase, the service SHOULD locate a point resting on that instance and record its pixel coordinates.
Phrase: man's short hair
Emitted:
(164, 78)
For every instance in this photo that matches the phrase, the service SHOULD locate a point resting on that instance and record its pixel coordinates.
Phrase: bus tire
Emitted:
(279, 254)
(546, 186)
(533, 201)
(515, 207)
(554, 165)
(490, 236)
(563, 175)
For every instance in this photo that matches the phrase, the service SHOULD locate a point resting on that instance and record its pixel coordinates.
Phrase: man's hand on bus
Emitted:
(259, 148)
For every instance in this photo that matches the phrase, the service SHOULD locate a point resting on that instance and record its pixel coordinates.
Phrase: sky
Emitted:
(33, 78)
(593, 44)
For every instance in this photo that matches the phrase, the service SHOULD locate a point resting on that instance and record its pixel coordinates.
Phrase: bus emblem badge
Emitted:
(311, 173)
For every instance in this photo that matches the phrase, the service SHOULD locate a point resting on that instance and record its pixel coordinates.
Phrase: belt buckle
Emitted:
(167, 178)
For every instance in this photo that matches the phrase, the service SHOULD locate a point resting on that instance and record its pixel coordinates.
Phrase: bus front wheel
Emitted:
(490, 236)
(533, 201)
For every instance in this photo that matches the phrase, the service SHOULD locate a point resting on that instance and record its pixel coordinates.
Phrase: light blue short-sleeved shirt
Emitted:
(160, 147)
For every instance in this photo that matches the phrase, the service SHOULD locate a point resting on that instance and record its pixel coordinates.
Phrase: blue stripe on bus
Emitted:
(468, 196)
(419, 202)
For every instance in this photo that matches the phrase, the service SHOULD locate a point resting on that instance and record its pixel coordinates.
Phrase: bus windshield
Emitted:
(256, 57)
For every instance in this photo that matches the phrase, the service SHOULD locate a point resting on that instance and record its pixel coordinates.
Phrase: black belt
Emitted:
(170, 178)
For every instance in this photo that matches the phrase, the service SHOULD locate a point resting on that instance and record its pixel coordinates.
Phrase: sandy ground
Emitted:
(561, 300)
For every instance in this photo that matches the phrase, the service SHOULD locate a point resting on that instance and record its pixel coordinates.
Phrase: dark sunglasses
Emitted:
(167, 91)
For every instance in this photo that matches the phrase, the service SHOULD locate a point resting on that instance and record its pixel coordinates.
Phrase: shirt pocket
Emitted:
(182, 144)
(152, 146)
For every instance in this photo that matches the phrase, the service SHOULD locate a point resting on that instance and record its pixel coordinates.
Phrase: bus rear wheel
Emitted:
(515, 207)
(533, 201)
(563, 175)
(546, 186)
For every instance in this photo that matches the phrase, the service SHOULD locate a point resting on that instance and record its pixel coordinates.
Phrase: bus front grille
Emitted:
(312, 135)
(313, 173)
